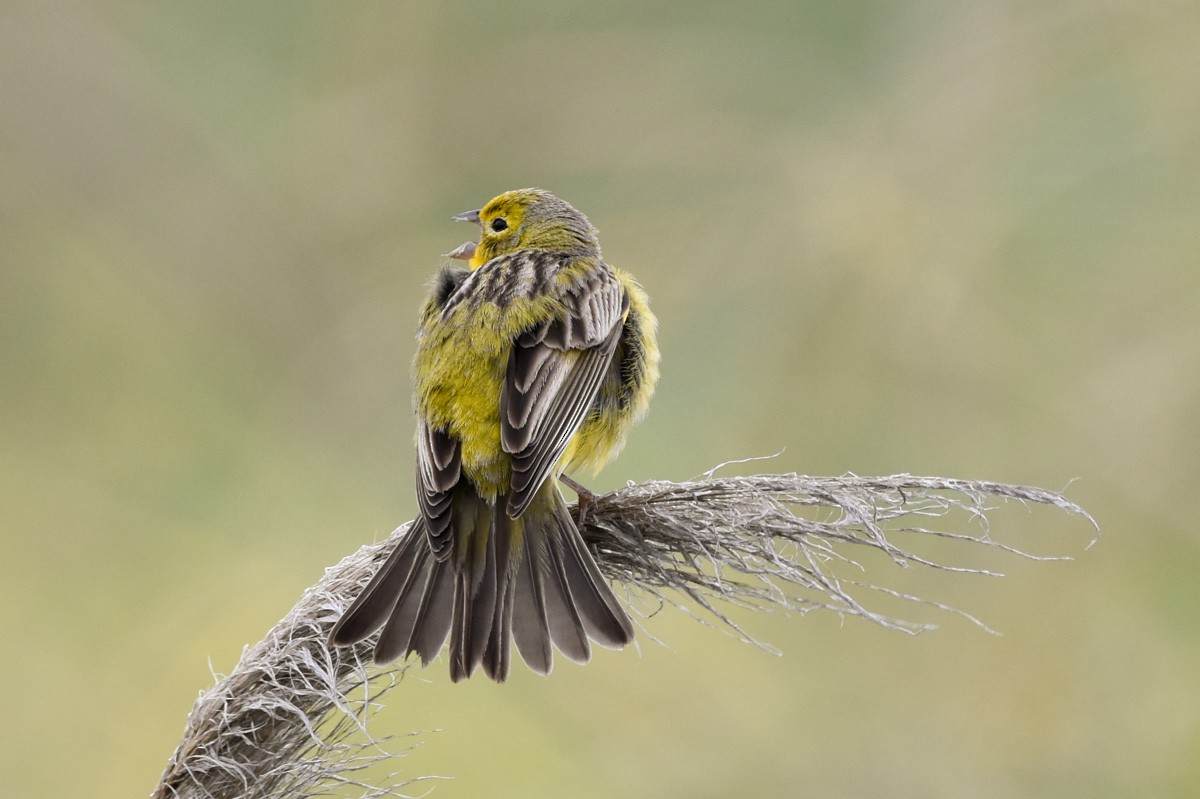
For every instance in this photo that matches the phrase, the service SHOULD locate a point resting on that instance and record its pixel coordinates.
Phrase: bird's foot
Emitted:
(586, 498)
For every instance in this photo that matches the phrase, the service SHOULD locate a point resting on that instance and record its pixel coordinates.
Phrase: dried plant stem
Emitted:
(283, 723)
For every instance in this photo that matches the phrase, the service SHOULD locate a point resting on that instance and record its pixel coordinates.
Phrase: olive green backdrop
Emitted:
(930, 237)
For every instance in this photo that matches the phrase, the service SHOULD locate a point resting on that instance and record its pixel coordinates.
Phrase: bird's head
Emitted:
(527, 219)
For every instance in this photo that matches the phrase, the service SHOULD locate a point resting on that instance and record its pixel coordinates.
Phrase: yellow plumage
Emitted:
(535, 360)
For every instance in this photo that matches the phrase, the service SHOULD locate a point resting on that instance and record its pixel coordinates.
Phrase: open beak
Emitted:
(463, 252)
(467, 216)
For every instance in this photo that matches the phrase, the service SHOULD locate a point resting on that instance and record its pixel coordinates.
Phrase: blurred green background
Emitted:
(929, 237)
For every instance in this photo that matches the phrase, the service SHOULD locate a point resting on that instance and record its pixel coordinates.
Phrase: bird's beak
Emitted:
(467, 216)
(463, 252)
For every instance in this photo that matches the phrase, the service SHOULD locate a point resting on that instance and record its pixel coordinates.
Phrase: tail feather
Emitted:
(603, 617)
(505, 534)
(432, 625)
(530, 627)
(497, 657)
(472, 625)
(380, 597)
(566, 628)
(396, 638)
(477, 591)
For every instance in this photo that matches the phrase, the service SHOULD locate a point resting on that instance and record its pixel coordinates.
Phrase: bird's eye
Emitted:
(499, 224)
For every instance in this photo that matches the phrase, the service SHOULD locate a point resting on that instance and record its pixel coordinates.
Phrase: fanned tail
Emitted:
(529, 580)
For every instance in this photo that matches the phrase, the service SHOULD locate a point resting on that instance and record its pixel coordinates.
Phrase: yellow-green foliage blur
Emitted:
(948, 238)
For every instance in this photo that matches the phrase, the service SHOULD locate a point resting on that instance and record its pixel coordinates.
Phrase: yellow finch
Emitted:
(535, 360)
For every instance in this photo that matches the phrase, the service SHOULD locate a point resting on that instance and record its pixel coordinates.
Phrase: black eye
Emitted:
(499, 224)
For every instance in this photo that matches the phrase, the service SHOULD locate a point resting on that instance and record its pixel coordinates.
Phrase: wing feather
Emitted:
(553, 375)
(439, 468)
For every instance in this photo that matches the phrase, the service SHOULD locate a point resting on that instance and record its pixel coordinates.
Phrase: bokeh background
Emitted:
(938, 238)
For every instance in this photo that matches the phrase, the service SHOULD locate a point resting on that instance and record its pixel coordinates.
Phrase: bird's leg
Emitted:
(586, 497)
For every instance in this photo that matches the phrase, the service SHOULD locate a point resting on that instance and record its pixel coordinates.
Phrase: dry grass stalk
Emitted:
(289, 721)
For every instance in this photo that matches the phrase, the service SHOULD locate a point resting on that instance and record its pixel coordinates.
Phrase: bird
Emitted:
(534, 360)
